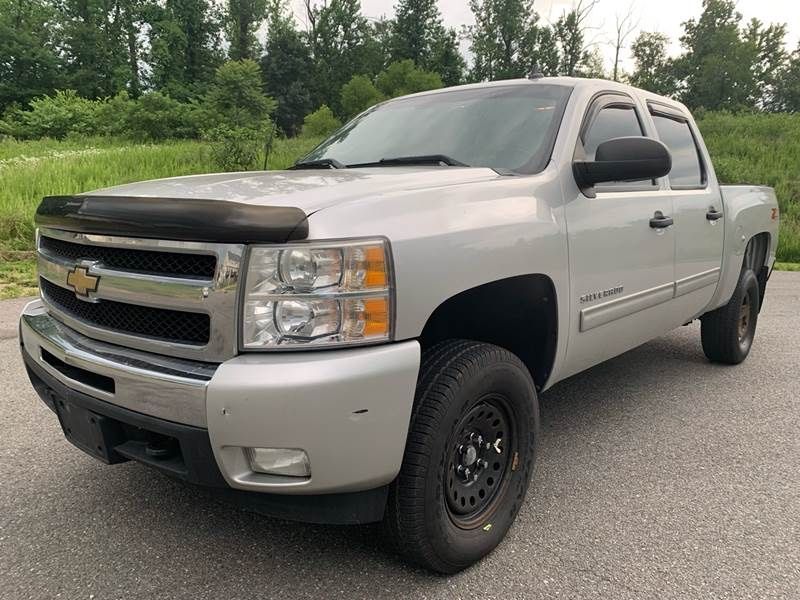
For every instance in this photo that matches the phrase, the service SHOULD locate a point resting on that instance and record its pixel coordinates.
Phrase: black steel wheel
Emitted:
(469, 455)
(480, 460)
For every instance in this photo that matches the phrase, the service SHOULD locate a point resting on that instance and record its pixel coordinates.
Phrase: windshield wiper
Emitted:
(423, 159)
(322, 163)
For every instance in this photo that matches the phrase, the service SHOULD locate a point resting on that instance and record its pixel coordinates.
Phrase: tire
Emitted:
(727, 333)
(459, 488)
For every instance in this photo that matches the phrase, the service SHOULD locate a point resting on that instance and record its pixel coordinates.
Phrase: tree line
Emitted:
(726, 64)
(184, 67)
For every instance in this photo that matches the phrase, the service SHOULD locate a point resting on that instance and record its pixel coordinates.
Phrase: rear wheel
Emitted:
(727, 333)
(468, 458)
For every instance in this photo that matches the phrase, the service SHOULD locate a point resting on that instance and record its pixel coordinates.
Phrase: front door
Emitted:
(621, 249)
(698, 211)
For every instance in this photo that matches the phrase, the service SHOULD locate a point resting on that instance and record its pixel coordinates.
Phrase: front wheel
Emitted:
(727, 333)
(469, 455)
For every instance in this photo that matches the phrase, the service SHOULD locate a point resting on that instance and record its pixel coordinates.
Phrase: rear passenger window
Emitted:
(611, 122)
(687, 171)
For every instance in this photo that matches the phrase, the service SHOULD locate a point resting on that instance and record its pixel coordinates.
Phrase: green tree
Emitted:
(417, 33)
(717, 69)
(184, 47)
(767, 46)
(94, 47)
(445, 57)
(547, 55)
(413, 30)
(236, 115)
(321, 122)
(403, 77)
(342, 45)
(29, 63)
(787, 94)
(236, 96)
(59, 115)
(569, 36)
(243, 18)
(591, 65)
(503, 38)
(155, 116)
(358, 94)
(287, 68)
(653, 69)
(133, 16)
(288, 77)
(380, 39)
(576, 57)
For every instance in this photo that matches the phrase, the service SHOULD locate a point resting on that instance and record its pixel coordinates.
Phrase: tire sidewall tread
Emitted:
(719, 329)
(453, 376)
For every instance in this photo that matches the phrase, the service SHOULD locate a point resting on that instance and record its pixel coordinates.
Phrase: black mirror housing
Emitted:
(624, 159)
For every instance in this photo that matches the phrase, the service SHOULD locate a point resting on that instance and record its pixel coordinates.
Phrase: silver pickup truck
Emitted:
(364, 336)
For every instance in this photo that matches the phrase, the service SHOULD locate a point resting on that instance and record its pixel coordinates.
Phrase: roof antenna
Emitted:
(535, 72)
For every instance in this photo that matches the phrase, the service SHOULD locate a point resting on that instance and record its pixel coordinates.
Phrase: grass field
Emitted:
(31, 170)
(761, 148)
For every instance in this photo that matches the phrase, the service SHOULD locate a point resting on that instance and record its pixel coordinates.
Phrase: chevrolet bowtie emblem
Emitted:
(80, 281)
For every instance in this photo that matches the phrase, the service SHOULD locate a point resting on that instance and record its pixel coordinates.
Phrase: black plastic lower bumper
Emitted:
(114, 434)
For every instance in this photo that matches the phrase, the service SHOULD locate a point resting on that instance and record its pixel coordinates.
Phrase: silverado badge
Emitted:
(80, 281)
(600, 294)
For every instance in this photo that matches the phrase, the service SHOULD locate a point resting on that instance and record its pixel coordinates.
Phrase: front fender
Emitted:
(452, 239)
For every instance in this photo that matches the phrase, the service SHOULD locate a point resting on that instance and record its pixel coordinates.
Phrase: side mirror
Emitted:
(624, 159)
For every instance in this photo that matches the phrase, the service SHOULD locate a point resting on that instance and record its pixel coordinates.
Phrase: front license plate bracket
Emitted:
(94, 434)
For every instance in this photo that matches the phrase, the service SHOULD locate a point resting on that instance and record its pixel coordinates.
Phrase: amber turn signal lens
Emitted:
(376, 317)
(375, 263)
(366, 318)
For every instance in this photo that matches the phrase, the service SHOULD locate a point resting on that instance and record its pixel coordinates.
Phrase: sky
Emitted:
(664, 16)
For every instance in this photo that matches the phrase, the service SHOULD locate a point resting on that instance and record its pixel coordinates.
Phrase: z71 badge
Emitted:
(598, 295)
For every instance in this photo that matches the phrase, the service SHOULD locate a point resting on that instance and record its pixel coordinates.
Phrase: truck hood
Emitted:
(308, 190)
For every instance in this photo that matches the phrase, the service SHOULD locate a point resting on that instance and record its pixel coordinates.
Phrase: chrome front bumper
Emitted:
(167, 388)
(348, 409)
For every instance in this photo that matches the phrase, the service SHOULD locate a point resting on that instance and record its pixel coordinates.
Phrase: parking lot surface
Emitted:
(659, 475)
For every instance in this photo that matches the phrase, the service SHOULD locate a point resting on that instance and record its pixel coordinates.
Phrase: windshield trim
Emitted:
(538, 161)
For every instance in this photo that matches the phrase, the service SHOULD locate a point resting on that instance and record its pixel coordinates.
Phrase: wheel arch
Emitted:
(755, 258)
(517, 313)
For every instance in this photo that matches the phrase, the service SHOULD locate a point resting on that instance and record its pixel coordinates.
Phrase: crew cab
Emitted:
(364, 337)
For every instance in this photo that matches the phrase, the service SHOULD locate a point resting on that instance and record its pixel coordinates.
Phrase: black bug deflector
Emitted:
(183, 219)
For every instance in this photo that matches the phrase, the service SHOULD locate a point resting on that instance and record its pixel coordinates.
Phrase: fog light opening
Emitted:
(288, 462)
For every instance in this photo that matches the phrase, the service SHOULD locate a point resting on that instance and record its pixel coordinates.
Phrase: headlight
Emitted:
(317, 295)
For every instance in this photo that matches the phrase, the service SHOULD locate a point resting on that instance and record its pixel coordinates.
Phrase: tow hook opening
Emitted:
(161, 447)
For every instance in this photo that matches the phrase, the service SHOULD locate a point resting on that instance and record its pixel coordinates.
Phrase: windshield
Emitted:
(506, 127)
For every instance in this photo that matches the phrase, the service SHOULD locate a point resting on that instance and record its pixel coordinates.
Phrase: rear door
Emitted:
(621, 256)
(697, 211)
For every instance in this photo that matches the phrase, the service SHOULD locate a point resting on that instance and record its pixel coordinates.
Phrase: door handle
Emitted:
(713, 214)
(659, 221)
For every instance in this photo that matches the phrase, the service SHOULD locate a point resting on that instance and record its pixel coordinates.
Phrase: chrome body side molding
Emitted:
(696, 281)
(600, 314)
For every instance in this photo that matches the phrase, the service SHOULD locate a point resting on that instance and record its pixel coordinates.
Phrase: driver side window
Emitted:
(613, 121)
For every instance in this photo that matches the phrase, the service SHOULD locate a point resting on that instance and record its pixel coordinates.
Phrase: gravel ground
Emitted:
(659, 476)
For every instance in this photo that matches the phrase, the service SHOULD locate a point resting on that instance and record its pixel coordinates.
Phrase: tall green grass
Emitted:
(31, 170)
(762, 149)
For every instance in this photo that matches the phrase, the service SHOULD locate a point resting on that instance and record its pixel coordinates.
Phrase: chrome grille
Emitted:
(141, 261)
(170, 297)
(157, 323)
